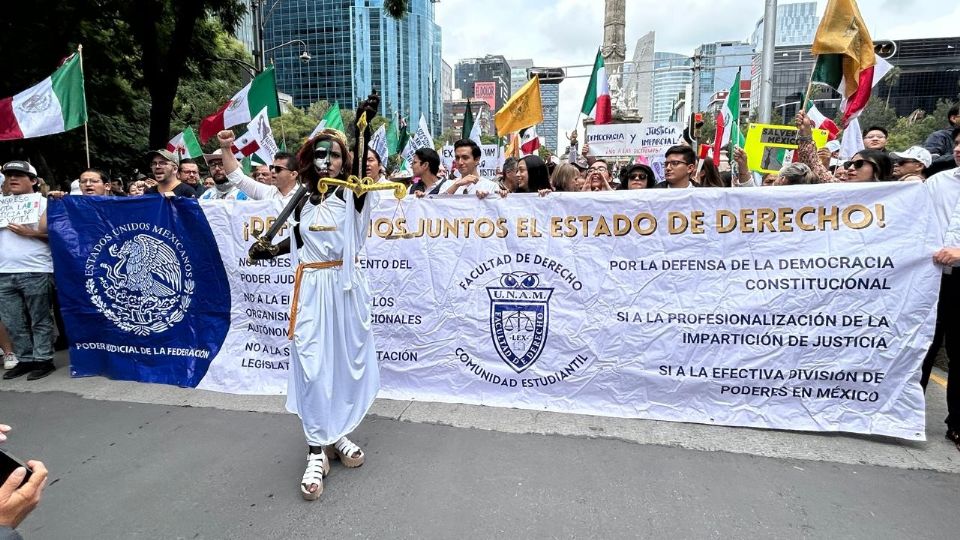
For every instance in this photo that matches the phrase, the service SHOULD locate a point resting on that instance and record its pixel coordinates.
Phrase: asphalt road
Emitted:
(139, 470)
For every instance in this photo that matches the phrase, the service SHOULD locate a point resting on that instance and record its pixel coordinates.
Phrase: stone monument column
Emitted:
(614, 50)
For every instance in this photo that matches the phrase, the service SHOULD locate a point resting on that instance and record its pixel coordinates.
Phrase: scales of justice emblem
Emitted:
(519, 318)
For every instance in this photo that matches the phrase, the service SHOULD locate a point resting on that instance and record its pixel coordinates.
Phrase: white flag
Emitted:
(420, 139)
(851, 141)
(475, 130)
(258, 140)
(378, 143)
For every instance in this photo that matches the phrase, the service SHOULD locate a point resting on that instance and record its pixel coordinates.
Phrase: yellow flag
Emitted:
(522, 110)
(843, 32)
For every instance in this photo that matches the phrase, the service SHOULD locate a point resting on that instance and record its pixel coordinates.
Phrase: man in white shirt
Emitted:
(679, 167)
(466, 156)
(285, 169)
(944, 187)
(26, 282)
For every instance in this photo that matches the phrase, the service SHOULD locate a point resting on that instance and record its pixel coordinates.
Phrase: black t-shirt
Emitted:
(182, 190)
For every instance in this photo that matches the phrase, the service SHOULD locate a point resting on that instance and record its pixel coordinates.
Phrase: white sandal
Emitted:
(346, 451)
(318, 466)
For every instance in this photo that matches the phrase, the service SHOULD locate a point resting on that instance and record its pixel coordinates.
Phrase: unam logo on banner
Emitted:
(519, 318)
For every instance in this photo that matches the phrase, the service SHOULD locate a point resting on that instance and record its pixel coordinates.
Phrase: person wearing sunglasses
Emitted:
(869, 166)
(284, 169)
(911, 164)
(637, 176)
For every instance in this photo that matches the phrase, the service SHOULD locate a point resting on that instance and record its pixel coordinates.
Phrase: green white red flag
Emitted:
(596, 102)
(821, 121)
(259, 93)
(185, 145)
(258, 141)
(728, 123)
(55, 105)
(846, 60)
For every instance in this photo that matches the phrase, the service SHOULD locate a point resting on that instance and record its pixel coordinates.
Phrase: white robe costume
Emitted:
(334, 376)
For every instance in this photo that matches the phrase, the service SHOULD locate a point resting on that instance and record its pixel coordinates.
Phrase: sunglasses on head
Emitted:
(858, 164)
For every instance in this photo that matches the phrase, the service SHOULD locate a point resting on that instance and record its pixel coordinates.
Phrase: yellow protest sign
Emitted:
(769, 147)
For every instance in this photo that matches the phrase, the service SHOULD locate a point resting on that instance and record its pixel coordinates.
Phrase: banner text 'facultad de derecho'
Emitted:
(735, 307)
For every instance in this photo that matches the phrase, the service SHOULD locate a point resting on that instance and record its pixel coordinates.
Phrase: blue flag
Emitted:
(142, 289)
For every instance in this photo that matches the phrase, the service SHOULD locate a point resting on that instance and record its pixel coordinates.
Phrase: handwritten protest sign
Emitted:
(20, 209)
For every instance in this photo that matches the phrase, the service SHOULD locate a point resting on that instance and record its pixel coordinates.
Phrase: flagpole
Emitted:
(806, 95)
(86, 135)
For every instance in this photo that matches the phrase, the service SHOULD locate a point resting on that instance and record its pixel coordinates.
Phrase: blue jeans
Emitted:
(26, 302)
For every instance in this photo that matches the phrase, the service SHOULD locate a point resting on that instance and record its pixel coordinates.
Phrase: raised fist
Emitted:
(225, 138)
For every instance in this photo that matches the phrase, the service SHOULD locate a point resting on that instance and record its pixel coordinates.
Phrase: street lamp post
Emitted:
(259, 21)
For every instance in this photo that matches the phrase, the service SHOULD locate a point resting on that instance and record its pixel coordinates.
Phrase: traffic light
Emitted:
(696, 122)
(547, 75)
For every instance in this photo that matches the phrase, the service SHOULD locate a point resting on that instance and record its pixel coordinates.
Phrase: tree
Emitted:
(906, 133)
(168, 36)
(877, 113)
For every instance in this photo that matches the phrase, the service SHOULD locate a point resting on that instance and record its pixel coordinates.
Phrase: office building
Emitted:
(518, 73)
(454, 109)
(357, 47)
(489, 76)
(671, 74)
(719, 64)
(796, 25)
(638, 79)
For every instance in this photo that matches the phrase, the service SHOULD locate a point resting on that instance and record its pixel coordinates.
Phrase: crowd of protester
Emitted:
(26, 270)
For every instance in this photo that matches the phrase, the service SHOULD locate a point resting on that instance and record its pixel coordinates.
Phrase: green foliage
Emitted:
(296, 124)
(134, 56)
(906, 132)
(877, 113)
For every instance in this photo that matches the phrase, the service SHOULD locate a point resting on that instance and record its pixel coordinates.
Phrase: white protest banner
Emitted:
(491, 159)
(255, 355)
(735, 307)
(646, 139)
(20, 209)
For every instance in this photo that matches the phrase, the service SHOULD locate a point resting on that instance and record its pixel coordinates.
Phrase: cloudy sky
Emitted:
(568, 32)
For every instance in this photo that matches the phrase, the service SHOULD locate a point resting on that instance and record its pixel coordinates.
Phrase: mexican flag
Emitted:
(728, 123)
(821, 121)
(185, 144)
(529, 141)
(259, 93)
(596, 102)
(258, 141)
(467, 126)
(55, 105)
(332, 119)
(846, 60)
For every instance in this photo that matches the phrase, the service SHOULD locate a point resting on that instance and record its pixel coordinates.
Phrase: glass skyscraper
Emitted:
(671, 74)
(356, 47)
(719, 63)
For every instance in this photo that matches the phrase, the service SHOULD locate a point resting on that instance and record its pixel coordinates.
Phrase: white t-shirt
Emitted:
(481, 185)
(19, 254)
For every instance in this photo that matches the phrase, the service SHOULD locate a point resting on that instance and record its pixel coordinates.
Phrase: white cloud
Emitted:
(568, 32)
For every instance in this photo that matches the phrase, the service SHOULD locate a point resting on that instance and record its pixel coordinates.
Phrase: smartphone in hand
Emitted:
(9, 463)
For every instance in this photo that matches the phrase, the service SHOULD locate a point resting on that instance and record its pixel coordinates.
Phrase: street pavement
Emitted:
(139, 461)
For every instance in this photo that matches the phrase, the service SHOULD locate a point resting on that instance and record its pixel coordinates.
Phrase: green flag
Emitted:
(403, 136)
(393, 139)
(332, 119)
(467, 122)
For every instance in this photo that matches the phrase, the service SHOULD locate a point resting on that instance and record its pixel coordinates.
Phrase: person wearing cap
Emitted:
(222, 189)
(285, 170)
(26, 282)
(165, 165)
(911, 164)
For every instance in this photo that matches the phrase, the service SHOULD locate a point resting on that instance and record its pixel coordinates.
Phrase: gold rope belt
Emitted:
(296, 288)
